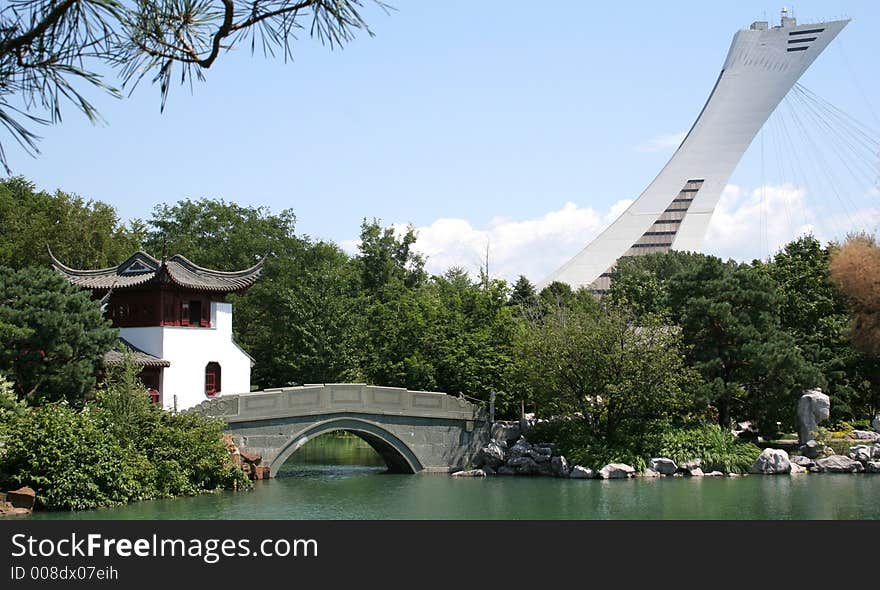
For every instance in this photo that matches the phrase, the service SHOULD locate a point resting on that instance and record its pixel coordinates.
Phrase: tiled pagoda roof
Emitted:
(141, 269)
(140, 358)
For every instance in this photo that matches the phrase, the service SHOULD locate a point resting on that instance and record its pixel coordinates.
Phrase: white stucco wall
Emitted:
(189, 350)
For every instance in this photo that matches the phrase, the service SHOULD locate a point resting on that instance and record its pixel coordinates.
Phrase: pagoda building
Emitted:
(173, 319)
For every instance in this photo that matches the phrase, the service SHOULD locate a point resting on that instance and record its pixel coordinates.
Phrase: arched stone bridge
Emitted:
(414, 431)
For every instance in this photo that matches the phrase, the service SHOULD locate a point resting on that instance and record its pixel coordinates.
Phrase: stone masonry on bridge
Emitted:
(414, 431)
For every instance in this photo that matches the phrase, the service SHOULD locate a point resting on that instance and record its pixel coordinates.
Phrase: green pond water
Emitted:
(340, 477)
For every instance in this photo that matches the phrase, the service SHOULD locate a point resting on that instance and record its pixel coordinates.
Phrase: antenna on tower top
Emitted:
(786, 18)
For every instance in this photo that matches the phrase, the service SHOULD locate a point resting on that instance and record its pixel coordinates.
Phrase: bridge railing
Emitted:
(332, 398)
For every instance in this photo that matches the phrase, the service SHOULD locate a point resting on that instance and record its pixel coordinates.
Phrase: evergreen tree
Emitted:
(729, 314)
(524, 293)
(52, 336)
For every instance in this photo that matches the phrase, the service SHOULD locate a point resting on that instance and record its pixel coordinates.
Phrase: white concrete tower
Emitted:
(674, 211)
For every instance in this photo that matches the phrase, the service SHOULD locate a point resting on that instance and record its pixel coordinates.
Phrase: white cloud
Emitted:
(745, 225)
(531, 247)
(662, 143)
(757, 223)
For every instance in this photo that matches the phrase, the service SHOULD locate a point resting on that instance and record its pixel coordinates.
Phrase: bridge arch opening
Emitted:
(396, 454)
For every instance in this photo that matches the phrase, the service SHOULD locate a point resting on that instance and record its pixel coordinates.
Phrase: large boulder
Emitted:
(686, 466)
(802, 461)
(617, 471)
(839, 464)
(578, 472)
(526, 423)
(491, 455)
(523, 465)
(520, 449)
(540, 454)
(861, 453)
(771, 462)
(22, 498)
(795, 468)
(559, 466)
(813, 450)
(544, 468)
(508, 432)
(813, 407)
(872, 467)
(865, 435)
(663, 465)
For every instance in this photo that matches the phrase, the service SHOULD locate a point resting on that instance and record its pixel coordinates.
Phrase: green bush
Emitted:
(119, 449)
(716, 448)
(576, 441)
(70, 460)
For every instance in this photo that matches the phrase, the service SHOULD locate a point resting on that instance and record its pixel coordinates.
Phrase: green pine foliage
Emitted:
(52, 336)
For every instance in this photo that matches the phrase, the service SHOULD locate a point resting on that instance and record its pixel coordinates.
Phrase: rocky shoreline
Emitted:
(510, 453)
(17, 502)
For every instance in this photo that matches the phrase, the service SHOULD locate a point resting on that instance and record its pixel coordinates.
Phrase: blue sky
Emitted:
(525, 126)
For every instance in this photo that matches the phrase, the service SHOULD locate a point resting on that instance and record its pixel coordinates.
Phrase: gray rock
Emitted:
(802, 461)
(813, 407)
(578, 472)
(492, 455)
(875, 423)
(649, 473)
(861, 453)
(559, 466)
(489, 470)
(664, 466)
(508, 432)
(523, 465)
(839, 464)
(616, 471)
(714, 474)
(686, 466)
(872, 467)
(505, 470)
(544, 468)
(771, 462)
(539, 454)
(526, 423)
(470, 473)
(876, 452)
(695, 472)
(865, 435)
(520, 449)
(811, 449)
(795, 468)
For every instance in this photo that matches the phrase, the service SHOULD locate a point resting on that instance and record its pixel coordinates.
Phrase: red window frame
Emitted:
(212, 379)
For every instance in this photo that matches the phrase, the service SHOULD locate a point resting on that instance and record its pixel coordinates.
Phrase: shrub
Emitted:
(70, 460)
(576, 440)
(119, 449)
(716, 448)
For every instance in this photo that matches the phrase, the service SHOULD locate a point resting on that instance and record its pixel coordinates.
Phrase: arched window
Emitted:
(212, 378)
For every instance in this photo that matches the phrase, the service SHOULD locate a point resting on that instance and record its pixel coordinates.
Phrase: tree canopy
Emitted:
(52, 336)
